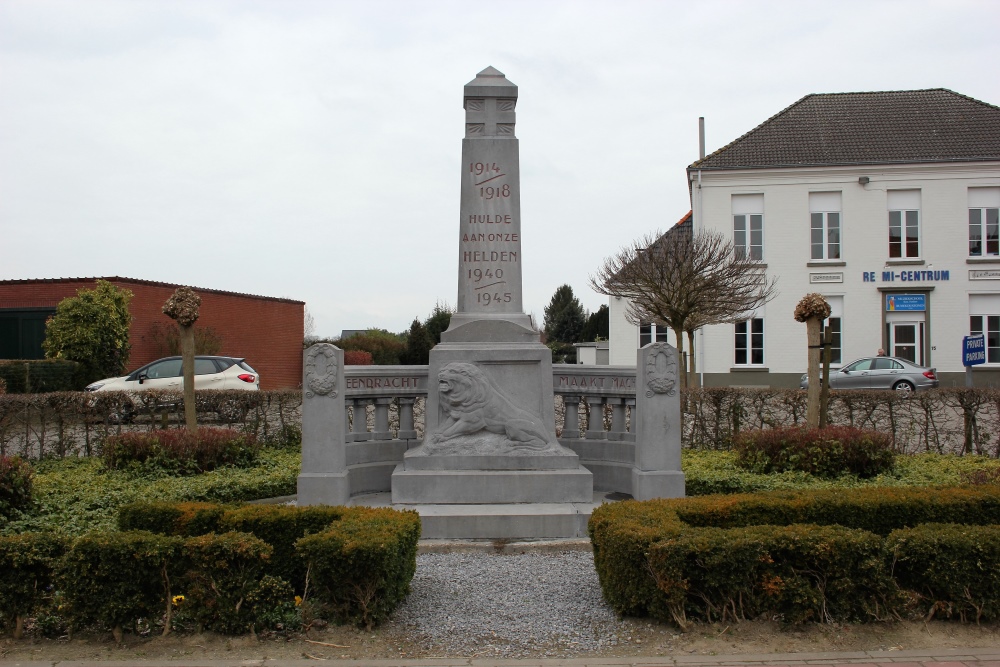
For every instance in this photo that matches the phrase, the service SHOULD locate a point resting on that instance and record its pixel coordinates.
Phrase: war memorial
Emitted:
(491, 463)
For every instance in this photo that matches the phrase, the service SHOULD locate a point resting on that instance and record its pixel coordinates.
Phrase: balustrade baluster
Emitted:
(617, 418)
(382, 431)
(571, 417)
(630, 436)
(406, 429)
(360, 426)
(595, 421)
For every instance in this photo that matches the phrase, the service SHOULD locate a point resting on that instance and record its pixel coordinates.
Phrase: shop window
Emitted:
(750, 342)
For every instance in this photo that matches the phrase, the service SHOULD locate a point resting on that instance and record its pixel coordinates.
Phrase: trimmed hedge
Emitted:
(15, 484)
(38, 376)
(828, 452)
(706, 557)
(359, 560)
(952, 569)
(181, 451)
(27, 570)
(360, 567)
(113, 579)
(223, 573)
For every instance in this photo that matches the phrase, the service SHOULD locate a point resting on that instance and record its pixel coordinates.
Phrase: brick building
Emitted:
(266, 331)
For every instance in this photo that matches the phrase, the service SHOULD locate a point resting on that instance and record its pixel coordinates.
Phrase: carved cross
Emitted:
(489, 117)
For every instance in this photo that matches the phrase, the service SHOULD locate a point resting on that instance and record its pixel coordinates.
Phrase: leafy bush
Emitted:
(952, 569)
(828, 452)
(15, 484)
(36, 376)
(386, 348)
(222, 573)
(799, 573)
(92, 328)
(180, 451)
(360, 568)
(113, 579)
(358, 358)
(27, 568)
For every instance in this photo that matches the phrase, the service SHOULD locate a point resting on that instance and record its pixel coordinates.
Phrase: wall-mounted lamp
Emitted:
(864, 180)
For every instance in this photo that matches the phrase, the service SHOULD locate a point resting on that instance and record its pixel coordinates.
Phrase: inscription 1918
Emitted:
(486, 172)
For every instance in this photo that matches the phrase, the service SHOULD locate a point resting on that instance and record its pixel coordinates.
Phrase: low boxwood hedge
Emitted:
(707, 557)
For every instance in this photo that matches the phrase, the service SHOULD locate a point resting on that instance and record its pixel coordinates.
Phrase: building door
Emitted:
(906, 341)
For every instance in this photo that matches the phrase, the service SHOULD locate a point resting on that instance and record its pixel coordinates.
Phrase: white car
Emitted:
(209, 373)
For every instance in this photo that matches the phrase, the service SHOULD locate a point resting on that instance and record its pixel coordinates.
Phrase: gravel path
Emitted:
(509, 606)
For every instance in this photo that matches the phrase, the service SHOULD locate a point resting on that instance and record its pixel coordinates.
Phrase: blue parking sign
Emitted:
(974, 350)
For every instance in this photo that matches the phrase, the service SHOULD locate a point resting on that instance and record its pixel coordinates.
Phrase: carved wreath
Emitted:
(321, 384)
(665, 381)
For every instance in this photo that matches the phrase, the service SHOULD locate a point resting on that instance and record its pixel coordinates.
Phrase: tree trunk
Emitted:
(693, 378)
(187, 365)
(824, 394)
(813, 325)
(116, 632)
(681, 361)
(19, 627)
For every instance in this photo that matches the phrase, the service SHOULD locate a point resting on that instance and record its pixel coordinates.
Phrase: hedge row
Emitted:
(803, 556)
(75, 423)
(27, 376)
(180, 451)
(359, 561)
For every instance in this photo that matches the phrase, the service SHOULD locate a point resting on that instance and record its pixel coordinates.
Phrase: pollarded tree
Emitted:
(92, 328)
(182, 306)
(685, 280)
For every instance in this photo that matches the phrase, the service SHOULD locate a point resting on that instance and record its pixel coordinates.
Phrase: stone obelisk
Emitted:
(490, 419)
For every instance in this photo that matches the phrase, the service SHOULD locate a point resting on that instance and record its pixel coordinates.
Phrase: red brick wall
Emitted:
(268, 332)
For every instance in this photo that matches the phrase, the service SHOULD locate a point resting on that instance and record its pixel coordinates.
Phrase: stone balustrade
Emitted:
(597, 414)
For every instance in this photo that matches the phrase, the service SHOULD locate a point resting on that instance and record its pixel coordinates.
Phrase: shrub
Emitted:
(181, 519)
(3, 386)
(222, 573)
(951, 569)
(360, 568)
(27, 565)
(622, 535)
(180, 451)
(799, 573)
(358, 358)
(113, 579)
(281, 526)
(386, 348)
(827, 452)
(15, 484)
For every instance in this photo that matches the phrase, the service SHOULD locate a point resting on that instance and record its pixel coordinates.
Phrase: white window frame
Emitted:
(984, 206)
(837, 319)
(747, 339)
(904, 205)
(825, 209)
(986, 309)
(748, 220)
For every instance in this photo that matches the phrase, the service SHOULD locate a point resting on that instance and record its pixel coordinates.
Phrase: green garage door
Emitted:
(22, 332)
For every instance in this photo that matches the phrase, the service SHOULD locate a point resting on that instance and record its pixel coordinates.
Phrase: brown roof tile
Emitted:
(903, 126)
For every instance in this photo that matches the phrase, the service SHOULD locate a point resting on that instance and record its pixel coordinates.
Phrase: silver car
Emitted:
(880, 373)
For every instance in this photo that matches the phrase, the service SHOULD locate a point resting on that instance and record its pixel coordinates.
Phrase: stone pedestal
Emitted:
(323, 480)
(657, 425)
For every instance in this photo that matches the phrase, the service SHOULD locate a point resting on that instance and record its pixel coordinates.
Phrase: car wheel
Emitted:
(904, 387)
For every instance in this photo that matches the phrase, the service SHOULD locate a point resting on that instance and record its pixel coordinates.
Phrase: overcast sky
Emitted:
(311, 150)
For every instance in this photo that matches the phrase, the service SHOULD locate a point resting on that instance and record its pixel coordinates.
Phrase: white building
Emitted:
(886, 203)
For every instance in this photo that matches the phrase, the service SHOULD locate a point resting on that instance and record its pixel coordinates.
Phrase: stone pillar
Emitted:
(617, 418)
(595, 419)
(323, 480)
(571, 417)
(382, 419)
(657, 425)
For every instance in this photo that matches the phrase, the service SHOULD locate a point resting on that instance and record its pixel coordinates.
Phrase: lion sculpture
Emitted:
(475, 403)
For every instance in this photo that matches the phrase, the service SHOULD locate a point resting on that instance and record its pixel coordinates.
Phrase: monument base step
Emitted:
(515, 521)
(481, 487)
